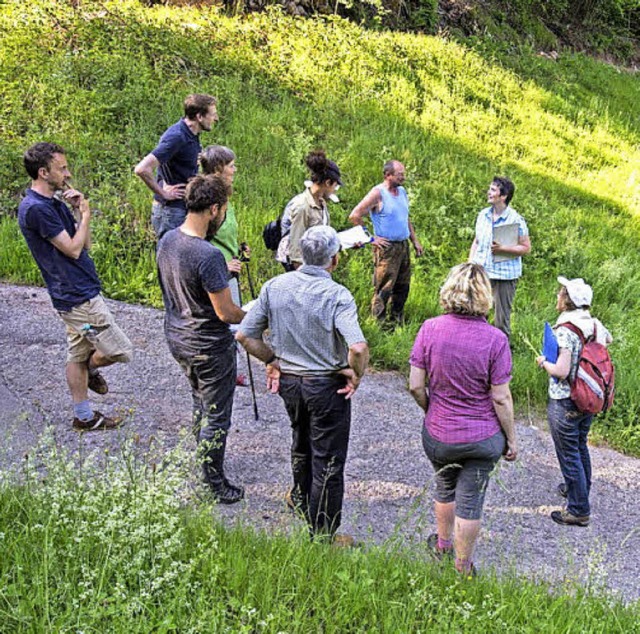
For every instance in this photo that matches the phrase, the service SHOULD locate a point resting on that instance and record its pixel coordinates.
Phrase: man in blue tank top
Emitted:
(388, 205)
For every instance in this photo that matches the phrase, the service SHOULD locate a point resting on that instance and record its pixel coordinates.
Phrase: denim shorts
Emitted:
(463, 470)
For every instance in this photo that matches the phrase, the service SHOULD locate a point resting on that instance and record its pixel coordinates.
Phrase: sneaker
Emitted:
(438, 553)
(228, 493)
(343, 541)
(568, 519)
(97, 383)
(99, 421)
(563, 489)
(242, 380)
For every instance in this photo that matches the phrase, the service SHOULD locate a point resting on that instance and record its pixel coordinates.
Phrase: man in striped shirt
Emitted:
(503, 272)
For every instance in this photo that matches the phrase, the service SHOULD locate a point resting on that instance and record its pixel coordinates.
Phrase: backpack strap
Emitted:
(573, 328)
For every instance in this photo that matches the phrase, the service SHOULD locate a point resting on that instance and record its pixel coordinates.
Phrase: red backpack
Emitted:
(593, 388)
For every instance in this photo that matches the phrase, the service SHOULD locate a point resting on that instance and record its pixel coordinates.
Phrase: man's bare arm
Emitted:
(145, 170)
(358, 360)
(72, 247)
(364, 207)
(414, 240)
(226, 310)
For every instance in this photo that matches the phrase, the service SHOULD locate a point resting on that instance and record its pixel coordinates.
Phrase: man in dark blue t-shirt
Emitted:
(193, 277)
(59, 243)
(176, 161)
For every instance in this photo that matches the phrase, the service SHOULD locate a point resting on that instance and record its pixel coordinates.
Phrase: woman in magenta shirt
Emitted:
(460, 373)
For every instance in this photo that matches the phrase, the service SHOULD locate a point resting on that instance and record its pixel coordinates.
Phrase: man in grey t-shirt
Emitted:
(198, 305)
(316, 359)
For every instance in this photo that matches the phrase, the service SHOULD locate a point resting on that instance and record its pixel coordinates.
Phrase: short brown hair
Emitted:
(467, 291)
(203, 191)
(40, 155)
(198, 104)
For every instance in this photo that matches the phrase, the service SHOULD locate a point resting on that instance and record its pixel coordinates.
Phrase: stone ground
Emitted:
(388, 478)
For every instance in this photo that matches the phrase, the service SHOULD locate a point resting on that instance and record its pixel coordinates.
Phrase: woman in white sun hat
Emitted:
(570, 427)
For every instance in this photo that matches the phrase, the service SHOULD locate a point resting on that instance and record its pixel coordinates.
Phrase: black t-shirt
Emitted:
(70, 282)
(189, 269)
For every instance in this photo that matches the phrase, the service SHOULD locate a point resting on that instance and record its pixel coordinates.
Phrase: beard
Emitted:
(213, 227)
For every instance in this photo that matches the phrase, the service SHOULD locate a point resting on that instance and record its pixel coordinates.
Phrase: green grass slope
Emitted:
(106, 79)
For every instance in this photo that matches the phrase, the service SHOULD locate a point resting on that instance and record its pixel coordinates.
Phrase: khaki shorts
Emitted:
(110, 340)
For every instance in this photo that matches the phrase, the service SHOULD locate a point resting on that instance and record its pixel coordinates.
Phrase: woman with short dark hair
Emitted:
(465, 365)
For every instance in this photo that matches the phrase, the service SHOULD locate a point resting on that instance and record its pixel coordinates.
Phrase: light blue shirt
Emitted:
(391, 219)
(508, 269)
(313, 321)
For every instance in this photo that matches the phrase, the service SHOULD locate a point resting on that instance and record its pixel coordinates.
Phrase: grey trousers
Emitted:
(503, 293)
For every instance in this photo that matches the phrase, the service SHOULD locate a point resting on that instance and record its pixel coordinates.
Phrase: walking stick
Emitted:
(244, 258)
(249, 368)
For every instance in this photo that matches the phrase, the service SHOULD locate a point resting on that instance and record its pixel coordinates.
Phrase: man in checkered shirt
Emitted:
(315, 360)
(503, 274)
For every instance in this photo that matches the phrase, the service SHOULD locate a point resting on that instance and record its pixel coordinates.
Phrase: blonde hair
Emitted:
(467, 291)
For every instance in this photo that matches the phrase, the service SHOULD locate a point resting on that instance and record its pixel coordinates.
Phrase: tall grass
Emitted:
(117, 542)
(566, 132)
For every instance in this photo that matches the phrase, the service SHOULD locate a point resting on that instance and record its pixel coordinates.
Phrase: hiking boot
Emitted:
(97, 383)
(568, 519)
(563, 489)
(99, 421)
(227, 493)
(438, 553)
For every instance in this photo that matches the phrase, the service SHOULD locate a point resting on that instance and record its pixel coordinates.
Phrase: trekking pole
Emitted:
(246, 259)
(249, 368)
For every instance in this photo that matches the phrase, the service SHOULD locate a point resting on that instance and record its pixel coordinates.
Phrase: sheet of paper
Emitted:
(357, 235)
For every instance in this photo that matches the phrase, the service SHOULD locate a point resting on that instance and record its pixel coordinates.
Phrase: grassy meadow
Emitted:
(105, 79)
(114, 543)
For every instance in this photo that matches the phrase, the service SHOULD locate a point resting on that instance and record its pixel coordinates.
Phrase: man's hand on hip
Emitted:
(273, 377)
(353, 381)
(173, 192)
(379, 241)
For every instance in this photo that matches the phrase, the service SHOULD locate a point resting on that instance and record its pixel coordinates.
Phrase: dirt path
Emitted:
(388, 478)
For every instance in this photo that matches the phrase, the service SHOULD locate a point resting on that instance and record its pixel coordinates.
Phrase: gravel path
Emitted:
(388, 478)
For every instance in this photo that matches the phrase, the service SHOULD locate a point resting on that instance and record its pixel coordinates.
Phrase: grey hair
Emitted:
(318, 245)
(214, 158)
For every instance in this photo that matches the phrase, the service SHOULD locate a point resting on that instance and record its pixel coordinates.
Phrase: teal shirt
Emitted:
(226, 239)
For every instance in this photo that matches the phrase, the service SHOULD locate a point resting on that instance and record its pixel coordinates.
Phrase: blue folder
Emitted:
(549, 344)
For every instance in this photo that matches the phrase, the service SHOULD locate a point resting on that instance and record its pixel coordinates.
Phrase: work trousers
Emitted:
(320, 424)
(391, 279)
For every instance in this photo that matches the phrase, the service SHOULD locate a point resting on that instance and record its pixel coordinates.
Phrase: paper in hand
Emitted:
(358, 235)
